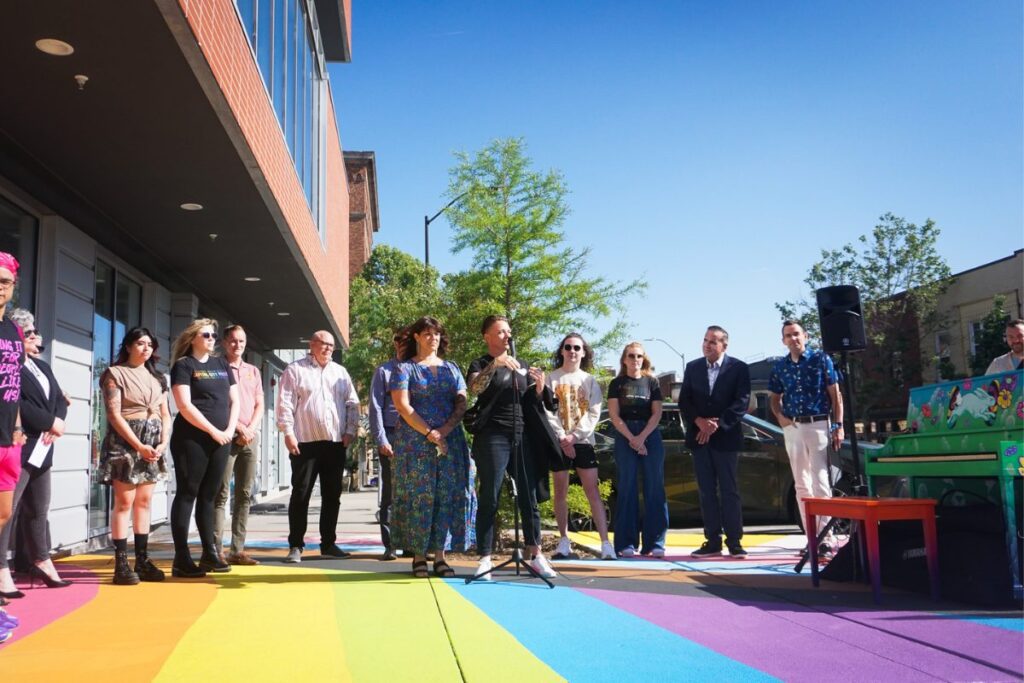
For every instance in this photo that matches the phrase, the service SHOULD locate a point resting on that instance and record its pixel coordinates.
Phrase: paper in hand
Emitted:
(39, 452)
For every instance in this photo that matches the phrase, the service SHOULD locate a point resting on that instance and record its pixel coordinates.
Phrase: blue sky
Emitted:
(713, 148)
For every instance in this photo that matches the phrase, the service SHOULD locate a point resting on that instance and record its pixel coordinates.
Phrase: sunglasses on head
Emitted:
(572, 347)
(208, 335)
(638, 356)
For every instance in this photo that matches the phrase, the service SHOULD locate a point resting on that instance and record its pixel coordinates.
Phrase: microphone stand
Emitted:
(518, 467)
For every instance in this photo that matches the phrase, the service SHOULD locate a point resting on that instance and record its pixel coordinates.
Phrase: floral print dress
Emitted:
(434, 500)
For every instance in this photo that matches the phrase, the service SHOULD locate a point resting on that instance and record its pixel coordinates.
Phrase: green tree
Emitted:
(392, 289)
(900, 276)
(990, 338)
(511, 221)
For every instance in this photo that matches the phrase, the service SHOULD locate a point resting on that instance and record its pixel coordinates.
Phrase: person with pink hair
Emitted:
(12, 436)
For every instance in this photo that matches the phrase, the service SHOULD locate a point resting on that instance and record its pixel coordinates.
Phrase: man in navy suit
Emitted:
(713, 399)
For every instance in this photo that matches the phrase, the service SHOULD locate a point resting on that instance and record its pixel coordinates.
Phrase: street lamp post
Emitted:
(682, 358)
(427, 220)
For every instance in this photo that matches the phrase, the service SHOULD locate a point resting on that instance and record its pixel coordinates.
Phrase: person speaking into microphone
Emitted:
(509, 411)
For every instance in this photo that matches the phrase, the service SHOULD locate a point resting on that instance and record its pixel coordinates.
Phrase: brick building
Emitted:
(162, 160)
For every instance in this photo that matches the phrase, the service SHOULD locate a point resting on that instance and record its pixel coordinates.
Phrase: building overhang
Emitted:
(335, 19)
(119, 155)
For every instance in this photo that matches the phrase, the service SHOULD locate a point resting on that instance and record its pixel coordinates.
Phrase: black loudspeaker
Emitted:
(842, 324)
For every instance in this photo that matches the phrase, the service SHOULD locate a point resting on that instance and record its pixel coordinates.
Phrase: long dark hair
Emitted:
(134, 335)
(424, 323)
(588, 353)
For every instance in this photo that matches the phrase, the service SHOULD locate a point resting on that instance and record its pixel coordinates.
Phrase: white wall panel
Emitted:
(68, 527)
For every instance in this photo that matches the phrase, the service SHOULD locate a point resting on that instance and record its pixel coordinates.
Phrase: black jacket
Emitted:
(728, 402)
(37, 411)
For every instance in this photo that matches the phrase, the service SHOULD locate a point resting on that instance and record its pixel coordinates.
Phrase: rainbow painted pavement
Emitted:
(364, 620)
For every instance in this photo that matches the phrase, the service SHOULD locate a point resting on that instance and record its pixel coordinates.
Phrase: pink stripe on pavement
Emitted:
(42, 606)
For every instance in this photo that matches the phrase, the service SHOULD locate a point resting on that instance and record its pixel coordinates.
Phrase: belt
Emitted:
(807, 419)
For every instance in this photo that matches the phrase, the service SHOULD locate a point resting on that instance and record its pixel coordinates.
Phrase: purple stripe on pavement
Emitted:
(797, 643)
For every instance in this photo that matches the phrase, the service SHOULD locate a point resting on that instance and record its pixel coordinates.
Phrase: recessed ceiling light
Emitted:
(192, 206)
(52, 46)
(251, 279)
(283, 313)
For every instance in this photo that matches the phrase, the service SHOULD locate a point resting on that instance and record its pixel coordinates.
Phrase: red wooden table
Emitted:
(869, 512)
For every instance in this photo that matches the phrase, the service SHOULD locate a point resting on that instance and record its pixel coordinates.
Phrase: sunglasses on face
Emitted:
(637, 356)
(572, 347)
(31, 333)
(208, 335)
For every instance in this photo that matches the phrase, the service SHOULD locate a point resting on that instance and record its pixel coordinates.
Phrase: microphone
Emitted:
(512, 347)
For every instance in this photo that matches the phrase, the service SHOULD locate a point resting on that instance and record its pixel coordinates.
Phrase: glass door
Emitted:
(118, 308)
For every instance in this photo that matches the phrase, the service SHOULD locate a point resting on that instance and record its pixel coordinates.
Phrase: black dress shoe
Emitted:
(333, 551)
(214, 563)
(12, 595)
(37, 573)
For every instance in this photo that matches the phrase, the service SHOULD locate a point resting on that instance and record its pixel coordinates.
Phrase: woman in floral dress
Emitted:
(433, 480)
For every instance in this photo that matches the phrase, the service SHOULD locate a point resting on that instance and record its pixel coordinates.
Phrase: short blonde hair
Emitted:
(181, 345)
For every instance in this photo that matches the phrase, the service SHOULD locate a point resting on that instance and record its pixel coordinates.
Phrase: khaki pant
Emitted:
(242, 463)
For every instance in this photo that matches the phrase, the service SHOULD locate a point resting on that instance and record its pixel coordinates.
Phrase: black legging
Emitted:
(199, 464)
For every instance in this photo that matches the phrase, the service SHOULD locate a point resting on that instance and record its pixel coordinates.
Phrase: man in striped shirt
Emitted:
(318, 412)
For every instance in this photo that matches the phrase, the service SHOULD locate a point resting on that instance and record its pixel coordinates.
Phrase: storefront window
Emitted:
(18, 231)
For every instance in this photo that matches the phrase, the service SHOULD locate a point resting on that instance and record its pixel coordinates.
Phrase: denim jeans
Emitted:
(628, 463)
(492, 451)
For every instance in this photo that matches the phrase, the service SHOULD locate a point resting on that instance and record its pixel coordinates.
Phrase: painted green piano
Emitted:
(964, 436)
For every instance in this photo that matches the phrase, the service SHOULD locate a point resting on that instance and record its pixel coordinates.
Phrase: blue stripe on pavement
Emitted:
(613, 646)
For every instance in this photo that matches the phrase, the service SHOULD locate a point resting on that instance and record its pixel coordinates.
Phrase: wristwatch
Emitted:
(835, 427)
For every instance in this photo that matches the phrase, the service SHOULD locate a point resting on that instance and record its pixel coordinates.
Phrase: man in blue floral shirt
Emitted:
(804, 390)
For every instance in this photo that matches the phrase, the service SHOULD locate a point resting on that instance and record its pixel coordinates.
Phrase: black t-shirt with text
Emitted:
(12, 357)
(635, 396)
(210, 384)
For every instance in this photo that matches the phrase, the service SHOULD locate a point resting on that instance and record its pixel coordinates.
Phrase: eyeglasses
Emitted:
(572, 347)
(31, 333)
(6, 283)
(208, 335)
(323, 343)
(638, 356)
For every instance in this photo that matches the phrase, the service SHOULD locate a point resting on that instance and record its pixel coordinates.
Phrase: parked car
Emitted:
(765, 478)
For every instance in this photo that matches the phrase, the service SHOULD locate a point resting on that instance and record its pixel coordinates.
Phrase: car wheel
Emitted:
(584, 522)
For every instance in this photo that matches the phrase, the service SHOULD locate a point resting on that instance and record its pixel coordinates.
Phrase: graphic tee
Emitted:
(634, 396)
(579, 404)
(210, 384)
(12, 357)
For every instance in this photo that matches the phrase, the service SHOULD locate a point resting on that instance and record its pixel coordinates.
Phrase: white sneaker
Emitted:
(658, 552)
(482, 567)
(541, 566)
(628, 551)
(294, 556)
(607, 551)
(564, 549)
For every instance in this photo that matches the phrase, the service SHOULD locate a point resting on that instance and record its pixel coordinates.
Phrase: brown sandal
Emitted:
(443, 569)
(419, 569)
